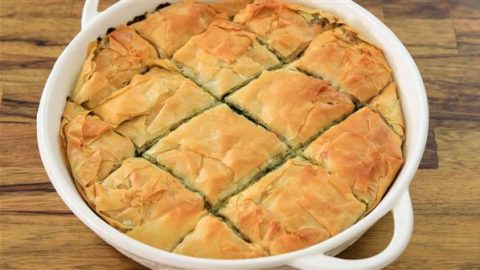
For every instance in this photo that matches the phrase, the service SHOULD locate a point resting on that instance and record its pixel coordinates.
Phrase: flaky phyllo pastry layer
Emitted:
(233, 130)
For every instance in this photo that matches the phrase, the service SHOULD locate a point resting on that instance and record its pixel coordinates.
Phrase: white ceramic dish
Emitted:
(320, 256)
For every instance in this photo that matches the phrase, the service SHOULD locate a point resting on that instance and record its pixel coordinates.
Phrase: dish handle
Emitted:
(403, 226)
(90, 11)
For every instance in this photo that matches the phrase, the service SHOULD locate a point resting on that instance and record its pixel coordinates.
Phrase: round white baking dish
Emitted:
(320, 256)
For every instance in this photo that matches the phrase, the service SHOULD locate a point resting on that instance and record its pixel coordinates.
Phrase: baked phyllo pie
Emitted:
(148, 203)
(217, 152)
(187, 133)
(223, 57)
(111, 64)
(355, 66)
(172, 26)
(152, 104)
(362, 149)
(212, 238)
(287, 29)
(292, 104)
(295, 206)
(91, 148)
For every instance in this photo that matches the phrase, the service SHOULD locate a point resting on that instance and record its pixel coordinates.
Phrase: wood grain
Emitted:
(465, 9)
(468, 35)
(56, 241)
(441, 33)
(416, 9)
(37, 231)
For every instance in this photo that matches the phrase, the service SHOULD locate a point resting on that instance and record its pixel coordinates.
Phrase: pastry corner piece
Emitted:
(223, 58)
(351, 64)
(286, 28)
(388, 105)
(212, 238)
(171, 27)
(148, 203)
(152, 104)
(217, 152)
(93, 150)
(110, 65)
(293, 207)
(292, 104)
(362, 149)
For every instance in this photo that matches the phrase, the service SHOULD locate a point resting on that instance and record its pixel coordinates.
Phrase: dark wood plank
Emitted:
(426, 37)
(12, 112)
(464, 9)
(39, 30)
(25, 84)
(452, 86)
(468, 36)
(430, 156)
(458, 144)
(28, 54)
(38, 241)
(27, 186)
(372, 242)
(31, 202)
(374, 6)
(18, 146)
(416, 9)
(36, 8)
(18, 175)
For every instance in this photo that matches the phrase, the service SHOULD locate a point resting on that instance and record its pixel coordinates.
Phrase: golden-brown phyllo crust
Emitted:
(362, 149)
(356, 67)
(293, 207)
(229, 7)
(93, 149)
(212, 238)
(153, 103)
(148, 203)
(292, 104)
(171, 27)
(388, 105)
(233, 129)
(286, 28)
(223, 57)
(110, 65)
(69, 113)
(217, 152)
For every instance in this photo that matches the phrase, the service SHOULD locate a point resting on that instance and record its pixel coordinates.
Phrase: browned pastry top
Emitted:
(233, 130)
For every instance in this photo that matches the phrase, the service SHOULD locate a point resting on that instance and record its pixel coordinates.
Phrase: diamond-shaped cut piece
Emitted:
(152, 104)
(292, 104)
(293, 207)
(353, 65)
(149, 203)
(223, 57)
(217, 152)
(286, 28)
(362, 149)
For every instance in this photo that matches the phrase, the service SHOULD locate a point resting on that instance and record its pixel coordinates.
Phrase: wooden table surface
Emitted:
(39, 232)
